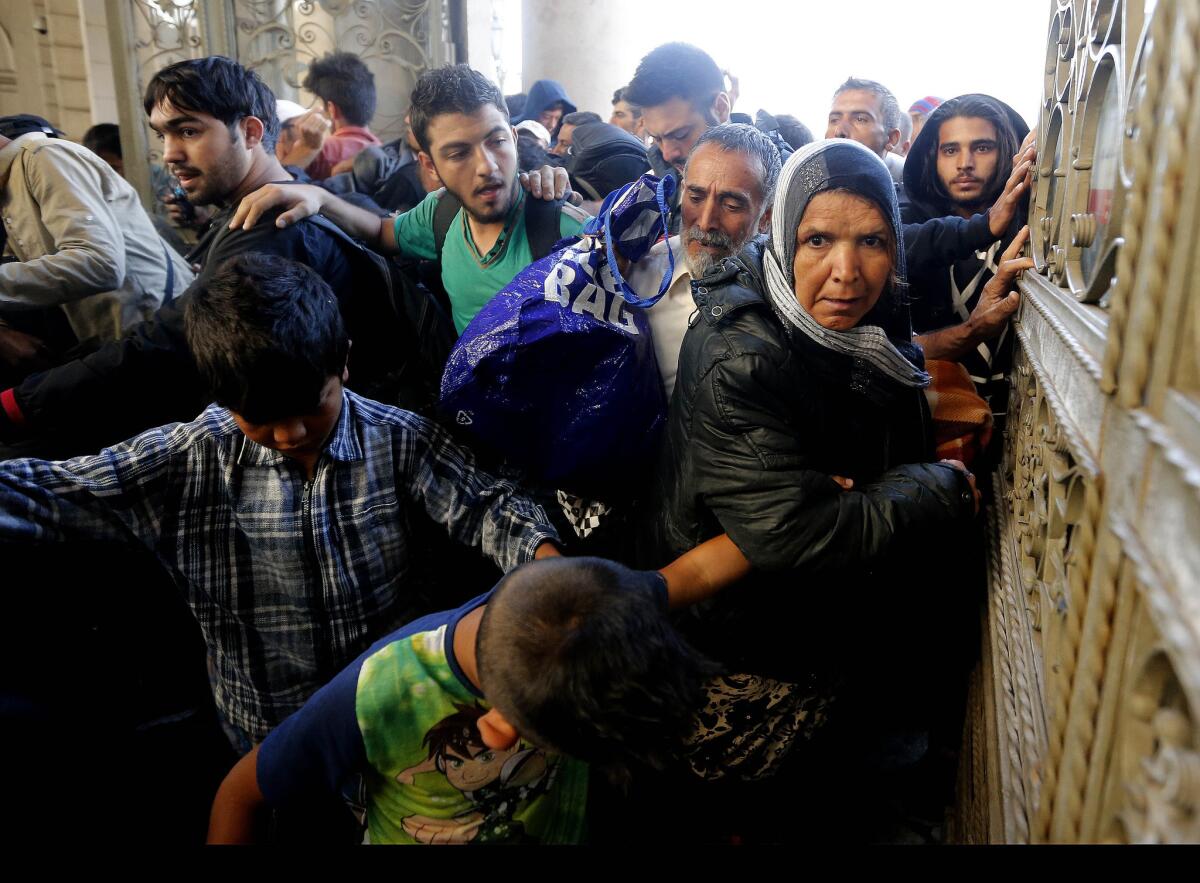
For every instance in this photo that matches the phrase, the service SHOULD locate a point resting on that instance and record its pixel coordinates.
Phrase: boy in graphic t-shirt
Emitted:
(461, 722)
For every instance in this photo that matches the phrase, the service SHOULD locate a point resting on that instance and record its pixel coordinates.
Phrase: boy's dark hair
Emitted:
(219, 87)
(676, 70)
(266, 335)
(579, 656)
(578, 118)
(343, 79)
(1007, 142)
(458, 732)
(103, 138)
(455, 88)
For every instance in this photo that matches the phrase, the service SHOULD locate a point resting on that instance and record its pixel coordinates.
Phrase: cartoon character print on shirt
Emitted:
(496, 782)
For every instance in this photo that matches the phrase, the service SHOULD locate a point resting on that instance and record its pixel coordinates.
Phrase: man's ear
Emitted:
(764, 223)
(893, 140)
(721, 108)
(426, 162)
(497, 733)
(346, 367)
(252, 131)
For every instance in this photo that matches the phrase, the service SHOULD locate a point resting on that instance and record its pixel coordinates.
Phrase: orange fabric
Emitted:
(962, 420)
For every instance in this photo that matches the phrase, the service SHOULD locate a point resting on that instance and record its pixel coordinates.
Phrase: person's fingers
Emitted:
(532, 184)
(843, 482)
(546, 174)
(1018, 243)
(243, 208)
(957, 464)
(292, 215)
(562, 183)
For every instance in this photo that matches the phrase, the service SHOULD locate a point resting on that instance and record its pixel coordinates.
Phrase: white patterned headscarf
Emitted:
(840, 164)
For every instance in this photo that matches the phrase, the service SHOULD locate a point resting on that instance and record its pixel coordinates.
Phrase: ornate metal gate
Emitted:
(398, 39)
(1084, 714)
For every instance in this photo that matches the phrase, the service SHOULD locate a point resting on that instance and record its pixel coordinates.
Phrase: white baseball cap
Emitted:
(536, 129)
(287, 110)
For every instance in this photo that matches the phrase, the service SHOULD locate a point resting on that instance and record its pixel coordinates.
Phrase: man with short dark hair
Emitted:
(681, 92)
(461, 123)
(625, 115)
(339, 130)
(218, 126)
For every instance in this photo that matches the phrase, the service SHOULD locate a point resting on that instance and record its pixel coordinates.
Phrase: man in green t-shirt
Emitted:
(461, 122)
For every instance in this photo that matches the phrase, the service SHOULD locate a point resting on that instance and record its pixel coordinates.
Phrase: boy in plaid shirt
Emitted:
(284, 510)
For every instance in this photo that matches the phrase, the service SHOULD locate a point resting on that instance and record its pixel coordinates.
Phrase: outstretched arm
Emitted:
(700, 573)
(996, 306)
(239, 805)
(299, 201)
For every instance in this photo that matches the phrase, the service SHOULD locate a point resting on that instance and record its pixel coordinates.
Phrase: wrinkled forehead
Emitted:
(858, 101)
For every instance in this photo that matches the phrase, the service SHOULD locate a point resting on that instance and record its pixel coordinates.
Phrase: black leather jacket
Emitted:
(762, 417)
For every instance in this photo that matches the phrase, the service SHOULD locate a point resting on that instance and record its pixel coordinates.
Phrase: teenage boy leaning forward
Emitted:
(283, 509)
(473, 725)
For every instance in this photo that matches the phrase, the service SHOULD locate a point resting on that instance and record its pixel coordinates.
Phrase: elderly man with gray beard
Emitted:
(725, 199)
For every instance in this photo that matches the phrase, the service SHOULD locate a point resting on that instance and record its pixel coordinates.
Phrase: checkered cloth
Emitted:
(962, 420)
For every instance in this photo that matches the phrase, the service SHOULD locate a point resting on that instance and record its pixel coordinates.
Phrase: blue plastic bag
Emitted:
(557, 372)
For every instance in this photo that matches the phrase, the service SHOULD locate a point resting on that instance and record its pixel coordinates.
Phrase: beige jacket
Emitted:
(81, 239)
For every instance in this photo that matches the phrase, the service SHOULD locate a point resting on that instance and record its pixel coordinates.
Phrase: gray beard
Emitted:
(702, 263)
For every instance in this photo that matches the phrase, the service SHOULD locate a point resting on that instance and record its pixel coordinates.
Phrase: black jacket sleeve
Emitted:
(754, 476)
(940, 242)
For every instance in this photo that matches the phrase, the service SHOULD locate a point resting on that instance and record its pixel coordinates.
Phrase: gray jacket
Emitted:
(81, 238)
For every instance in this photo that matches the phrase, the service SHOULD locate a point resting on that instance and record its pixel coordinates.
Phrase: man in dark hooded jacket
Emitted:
(958, 166)
(547, 104)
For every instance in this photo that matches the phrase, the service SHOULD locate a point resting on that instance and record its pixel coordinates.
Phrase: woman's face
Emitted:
(843, 258)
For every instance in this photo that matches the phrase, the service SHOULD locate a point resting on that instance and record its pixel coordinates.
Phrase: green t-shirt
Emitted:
(405, 717)
(469, 283)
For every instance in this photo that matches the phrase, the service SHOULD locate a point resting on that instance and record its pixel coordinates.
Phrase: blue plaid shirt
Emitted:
(291, 579)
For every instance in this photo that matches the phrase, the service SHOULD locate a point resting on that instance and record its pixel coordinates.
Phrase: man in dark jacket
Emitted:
(547, 103)
(218, 124)
(958, 166)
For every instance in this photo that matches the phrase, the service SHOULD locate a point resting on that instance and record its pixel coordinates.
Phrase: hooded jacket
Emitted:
(944, 294)
(542, 94)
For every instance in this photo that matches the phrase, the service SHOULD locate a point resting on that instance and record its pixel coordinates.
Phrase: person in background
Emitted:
(919, 112)
(794, 132)
(82, 241)
(625, 115)
(547, 103)
(339, 130)
(566, 129)
(104, 140)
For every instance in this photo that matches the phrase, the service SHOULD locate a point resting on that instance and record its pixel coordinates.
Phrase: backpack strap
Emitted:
(541, 225)
(443, 216)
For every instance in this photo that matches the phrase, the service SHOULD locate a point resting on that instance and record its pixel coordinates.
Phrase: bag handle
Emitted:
(664, 188)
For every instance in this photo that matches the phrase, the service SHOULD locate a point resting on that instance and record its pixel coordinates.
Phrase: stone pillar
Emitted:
(580, 45)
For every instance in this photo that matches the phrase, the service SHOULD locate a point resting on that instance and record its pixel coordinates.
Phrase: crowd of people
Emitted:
(765, 632)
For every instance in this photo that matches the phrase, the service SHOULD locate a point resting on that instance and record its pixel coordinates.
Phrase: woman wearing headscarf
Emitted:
(799, 427)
